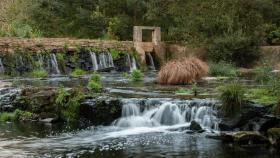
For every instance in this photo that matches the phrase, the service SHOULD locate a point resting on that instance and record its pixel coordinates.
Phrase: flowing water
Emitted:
(105, 61)
(54, 64)
(2, 69)
(94, 61)
(147, 128)
(151, 61)
(131, 62)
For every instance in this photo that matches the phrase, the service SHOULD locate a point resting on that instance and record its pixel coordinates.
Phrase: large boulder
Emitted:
(101, 111)
(274, 137)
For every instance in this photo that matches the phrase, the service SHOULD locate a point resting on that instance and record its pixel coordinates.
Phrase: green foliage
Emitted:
(60, 56)
(69, 103)
(94, 83)
(263, 74)
(136, 75)
(262, 96)
(183, 91)
(232, 98)
(38, 74)
(5, 116)
(222, 69)
(77, 72)
(274, 36)
(115, 54)
(235, 48)
(16, 116)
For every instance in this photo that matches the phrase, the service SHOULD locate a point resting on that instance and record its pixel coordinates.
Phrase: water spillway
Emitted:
(19, 64)
(156, 113)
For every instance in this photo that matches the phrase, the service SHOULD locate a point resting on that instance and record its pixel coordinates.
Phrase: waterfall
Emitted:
(41, 61)
(2, 69)
(131, 62)
(54, 64)
(94, 61)
(105, 61)
(168, 113)
(151, 61)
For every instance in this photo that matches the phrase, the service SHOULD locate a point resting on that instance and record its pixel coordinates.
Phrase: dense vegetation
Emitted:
(230, 30)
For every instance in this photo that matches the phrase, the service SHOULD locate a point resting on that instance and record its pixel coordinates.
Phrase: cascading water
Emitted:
(94, 61)
(105, 61)
(54, 64)
(131, 62)
(40, 61)
(151, 61)
(2, 69)
(168, 113)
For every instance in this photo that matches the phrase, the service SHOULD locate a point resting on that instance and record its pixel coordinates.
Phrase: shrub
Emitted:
(187, 70)
(232, 98)
(77, 72)
(136, 75)
(115, 54)
(222, 69)
(69, 103)
(274, 36)
(38, 74)
(94, 83)
(234, 48)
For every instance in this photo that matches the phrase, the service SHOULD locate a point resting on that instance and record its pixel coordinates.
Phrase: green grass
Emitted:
(222, 70)
(183, 91)
(232, 96)
(94, 83)
(38, 74)
(262, 96)
(78, 72)
(5, 116)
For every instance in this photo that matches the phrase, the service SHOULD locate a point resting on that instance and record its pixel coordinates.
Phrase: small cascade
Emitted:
(131, 62)
(7, 97)
(54, 64)
(40, 61)
(2, 69)
(151, 61)
(156, 113)
(105, 61)
(94, 61)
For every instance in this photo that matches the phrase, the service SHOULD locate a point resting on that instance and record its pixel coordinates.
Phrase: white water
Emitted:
(131, 62)
(41, 61)
(54, 64)
(94, 61)
(105, 61)
(168, 113)
(151, 61)
(159, 117)
(2, 69)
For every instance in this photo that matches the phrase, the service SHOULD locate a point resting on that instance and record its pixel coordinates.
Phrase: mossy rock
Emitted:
(247, 139)
(274, 137)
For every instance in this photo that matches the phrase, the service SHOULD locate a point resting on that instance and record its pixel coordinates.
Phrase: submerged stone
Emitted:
(195, 126)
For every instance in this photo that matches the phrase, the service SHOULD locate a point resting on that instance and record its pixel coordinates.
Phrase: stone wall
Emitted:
(11, 44)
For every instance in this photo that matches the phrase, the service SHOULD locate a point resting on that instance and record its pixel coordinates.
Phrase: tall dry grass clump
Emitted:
(184, 71)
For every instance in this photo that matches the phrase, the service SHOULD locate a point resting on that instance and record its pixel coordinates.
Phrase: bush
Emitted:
(115, 54)
(232, 98)
(183, 71)
(136, 75)
(69, 103)
(222, 69)
(38, 74)
(234, 48)
(274, 36)
(94, 83)
(77, 72)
